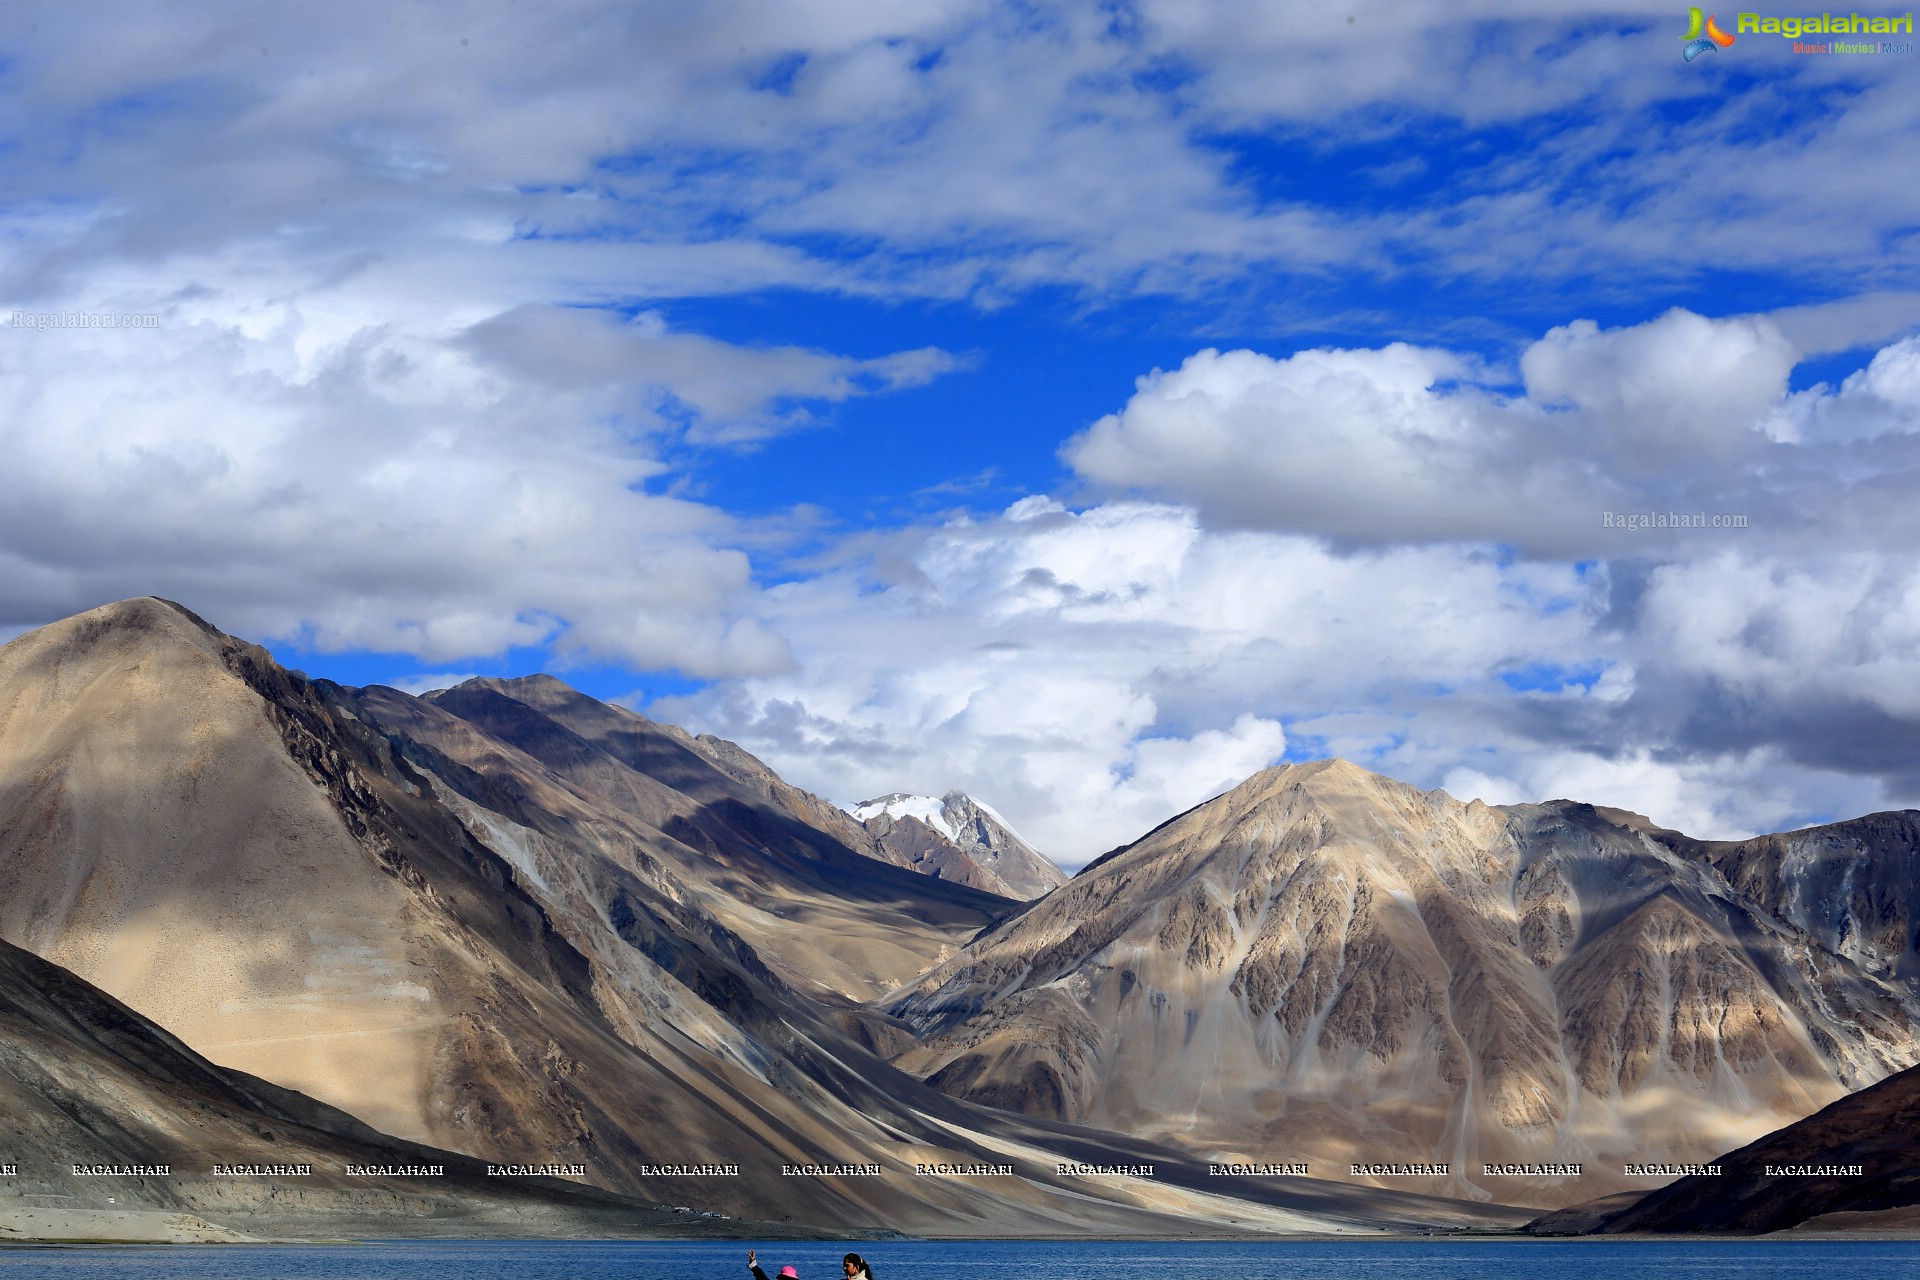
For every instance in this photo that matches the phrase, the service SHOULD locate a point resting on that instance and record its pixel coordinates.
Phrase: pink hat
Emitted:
(788, 1273)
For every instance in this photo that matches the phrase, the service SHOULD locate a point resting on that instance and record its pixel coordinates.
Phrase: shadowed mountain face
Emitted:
(1324, 964)
(86, 1080)
(957, 838)
(515, 923)
(1853, 887)
(1854, 1165)
(788, 873)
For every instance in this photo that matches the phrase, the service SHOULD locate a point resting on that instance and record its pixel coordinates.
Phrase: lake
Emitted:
(630, 1260)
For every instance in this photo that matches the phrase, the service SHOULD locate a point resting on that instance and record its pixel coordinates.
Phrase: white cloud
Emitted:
(940, 148)
(1090, 673)
(1728, 797)
(1347, 443)
(1865, 319)
(1681, 414)
(1881, 399)
(1172, 771)
(1838, 629)
(379, 415)
(1682, 391)
(364, 476)
(735, 393)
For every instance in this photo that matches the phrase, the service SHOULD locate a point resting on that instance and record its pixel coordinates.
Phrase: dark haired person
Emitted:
(753, 1265)
(856, 1267)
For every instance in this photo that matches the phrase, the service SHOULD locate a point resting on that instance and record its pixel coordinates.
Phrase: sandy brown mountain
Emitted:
(514, 923)
(1327, 965)
(228, 849)
(84, 1080)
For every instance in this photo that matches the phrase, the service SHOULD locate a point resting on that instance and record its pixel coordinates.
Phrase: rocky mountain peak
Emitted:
(140, 624)
(958, 837)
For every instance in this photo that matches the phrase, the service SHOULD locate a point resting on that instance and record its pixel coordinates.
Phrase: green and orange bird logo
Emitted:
(1702, 35)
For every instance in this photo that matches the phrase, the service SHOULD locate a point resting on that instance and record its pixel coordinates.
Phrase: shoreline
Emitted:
(229, 1239)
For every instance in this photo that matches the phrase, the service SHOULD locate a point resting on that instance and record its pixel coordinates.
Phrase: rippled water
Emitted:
(1438, 1260)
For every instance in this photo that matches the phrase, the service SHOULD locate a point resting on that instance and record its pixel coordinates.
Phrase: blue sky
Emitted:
(1083, 405)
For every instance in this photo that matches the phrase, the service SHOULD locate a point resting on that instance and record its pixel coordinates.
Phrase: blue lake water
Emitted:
(1438, 1260)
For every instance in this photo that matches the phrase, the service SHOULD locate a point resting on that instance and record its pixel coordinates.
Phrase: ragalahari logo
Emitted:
(1699, 43)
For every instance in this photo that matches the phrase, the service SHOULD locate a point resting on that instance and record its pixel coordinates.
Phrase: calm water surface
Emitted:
(967, 1260)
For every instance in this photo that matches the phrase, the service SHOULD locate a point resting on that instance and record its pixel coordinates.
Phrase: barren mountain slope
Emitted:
(170, 836)
(1853, 886)
(230, 850)
(572, 822)
(1329, 966)
(85, 1080)
(765, 859)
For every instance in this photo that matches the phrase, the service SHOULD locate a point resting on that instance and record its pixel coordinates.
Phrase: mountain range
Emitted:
(1325, 965)
(512, 924)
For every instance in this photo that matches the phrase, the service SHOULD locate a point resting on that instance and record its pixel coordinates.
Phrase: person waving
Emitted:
(753, 1265)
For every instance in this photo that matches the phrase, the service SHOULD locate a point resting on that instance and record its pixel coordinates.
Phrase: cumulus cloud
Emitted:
(1347, 443)
(733, 393)
(1678, 415)
(1089, 673)
(1093, 672)
(1726, 797)
(1331, 569)
(1881, 399)
(1680, 392)
(357, 476)
(1741, 693)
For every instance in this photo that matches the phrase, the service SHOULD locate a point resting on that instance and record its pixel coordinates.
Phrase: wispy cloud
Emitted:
(952, 149)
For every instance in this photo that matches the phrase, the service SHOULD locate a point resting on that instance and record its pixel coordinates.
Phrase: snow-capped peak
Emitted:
(927, 809)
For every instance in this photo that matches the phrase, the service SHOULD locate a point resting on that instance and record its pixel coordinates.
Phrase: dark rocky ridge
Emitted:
(1877, 1128)
(919, 846)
